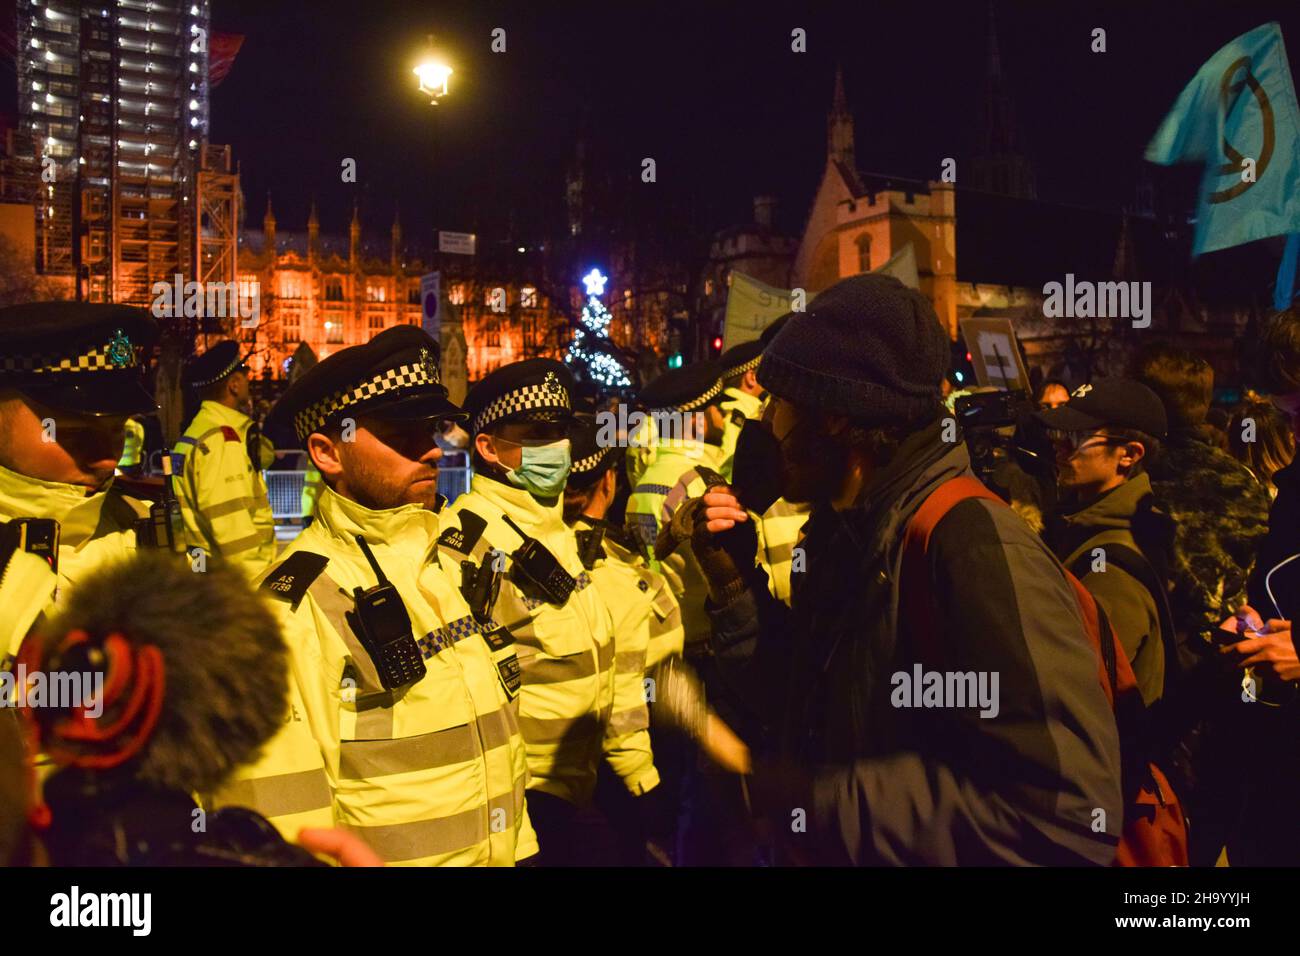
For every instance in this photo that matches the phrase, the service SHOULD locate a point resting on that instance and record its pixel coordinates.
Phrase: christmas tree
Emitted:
(591, 347)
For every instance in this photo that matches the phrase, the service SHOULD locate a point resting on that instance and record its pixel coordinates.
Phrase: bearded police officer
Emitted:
(70, 376)
(520, 417)
(219, 461)
(685, 457)
(404, 727)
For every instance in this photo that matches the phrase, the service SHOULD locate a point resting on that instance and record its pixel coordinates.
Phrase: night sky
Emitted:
(712, 91)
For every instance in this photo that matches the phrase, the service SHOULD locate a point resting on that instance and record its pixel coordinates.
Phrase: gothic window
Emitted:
(864, 253)
(334, 290)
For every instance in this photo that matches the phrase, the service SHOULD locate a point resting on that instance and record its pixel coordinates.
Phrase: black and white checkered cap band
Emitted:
(702, 399)
(544, 396)
(743, 367)
(239, 360)
(590, 462)
(97, 359)
(314, 416)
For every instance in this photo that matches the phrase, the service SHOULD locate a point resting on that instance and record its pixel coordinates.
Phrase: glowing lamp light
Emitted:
(595, 282)
(433, 76)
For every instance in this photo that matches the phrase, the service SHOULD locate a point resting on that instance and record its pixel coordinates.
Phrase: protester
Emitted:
(1052, 394)
(868, 772)
(1218, 511)
(1260, 437)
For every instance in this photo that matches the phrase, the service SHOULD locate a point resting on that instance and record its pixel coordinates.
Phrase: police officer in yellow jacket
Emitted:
(742, 395)
(520, 417)
(70, 375)
(404, 726)
(688, 423)
(777, 522)
(219, 462)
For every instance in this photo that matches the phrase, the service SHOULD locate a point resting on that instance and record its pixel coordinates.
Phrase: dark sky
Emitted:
(711, 90)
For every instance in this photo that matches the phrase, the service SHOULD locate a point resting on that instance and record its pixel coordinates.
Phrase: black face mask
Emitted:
(756, 468)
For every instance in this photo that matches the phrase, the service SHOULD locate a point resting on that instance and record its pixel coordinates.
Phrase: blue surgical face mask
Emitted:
(543, 469)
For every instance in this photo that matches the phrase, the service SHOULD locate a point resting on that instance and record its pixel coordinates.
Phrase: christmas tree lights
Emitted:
(600, 366)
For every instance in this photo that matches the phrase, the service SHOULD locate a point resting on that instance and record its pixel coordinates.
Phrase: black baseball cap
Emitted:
(1109, 403)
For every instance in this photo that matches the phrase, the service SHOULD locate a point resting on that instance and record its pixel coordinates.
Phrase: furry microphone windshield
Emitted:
(194, 673)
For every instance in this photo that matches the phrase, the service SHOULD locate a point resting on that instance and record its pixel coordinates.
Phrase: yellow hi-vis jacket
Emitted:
(738, 407)
(94, 529)
(672, 478)
(566, 652)
(779, 529)
(222, 496)
(647, 618)
(430, 774)
(133, 446)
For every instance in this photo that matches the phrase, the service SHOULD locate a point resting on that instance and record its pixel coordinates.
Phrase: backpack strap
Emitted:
(916, 543)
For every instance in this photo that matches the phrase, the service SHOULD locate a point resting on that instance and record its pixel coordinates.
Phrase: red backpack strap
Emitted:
(914, 593)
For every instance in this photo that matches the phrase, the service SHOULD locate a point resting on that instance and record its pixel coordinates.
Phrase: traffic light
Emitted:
(717, 345)
(675, 360)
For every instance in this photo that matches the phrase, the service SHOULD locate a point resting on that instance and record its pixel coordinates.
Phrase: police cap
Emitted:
(393, 376)
(218, 362)
(740, 359)
(80, 356)
(684, 389)
(534, 390)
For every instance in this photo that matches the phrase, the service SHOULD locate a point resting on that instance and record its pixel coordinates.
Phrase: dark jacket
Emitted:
(1283, 539)
(1080, 536)
(1220, 515)
(885, 784)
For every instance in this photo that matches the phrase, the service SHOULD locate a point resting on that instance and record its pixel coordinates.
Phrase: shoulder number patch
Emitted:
(290, 581)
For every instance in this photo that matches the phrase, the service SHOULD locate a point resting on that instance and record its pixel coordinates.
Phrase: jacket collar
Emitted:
(409, 527)
(225, 415)
(75, 508)
(537, 516)
(1115, 509)
(751, 406)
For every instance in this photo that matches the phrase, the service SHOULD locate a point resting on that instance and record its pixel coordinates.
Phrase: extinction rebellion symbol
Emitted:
(1228, 92)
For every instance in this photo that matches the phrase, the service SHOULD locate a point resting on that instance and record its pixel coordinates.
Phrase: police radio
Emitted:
(159, 529)
(38, 536)
(480, 584)
(539, 569)
(380, 621)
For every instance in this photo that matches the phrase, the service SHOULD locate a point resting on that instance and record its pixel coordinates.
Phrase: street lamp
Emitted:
(433, 73)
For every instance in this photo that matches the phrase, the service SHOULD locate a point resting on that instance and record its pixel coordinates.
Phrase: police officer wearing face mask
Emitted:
(219, 462)
(513, 519)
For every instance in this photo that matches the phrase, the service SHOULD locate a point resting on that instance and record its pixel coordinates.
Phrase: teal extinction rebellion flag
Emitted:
(1238, 116)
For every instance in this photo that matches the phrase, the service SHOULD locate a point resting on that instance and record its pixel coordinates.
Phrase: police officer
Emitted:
(684, 405)
(70, 376)
(648, 630)
(754, 466)
(219, 462)
(742, 395)
(520, 417)
(404, 727)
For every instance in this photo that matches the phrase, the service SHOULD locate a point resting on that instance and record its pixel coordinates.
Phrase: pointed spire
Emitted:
(839, 127)
(313, 231)
(995, 59)
(268, 226)
(395, 250)
(354, 234)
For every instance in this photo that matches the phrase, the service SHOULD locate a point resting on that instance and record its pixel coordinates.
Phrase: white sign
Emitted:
(459, 243)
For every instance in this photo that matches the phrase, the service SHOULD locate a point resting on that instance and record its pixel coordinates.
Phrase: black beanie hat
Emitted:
(868, 347)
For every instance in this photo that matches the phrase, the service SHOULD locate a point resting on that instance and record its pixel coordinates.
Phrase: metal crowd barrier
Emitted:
(284, 486)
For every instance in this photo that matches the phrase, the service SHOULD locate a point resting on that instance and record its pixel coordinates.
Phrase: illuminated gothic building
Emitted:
(331, 292)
